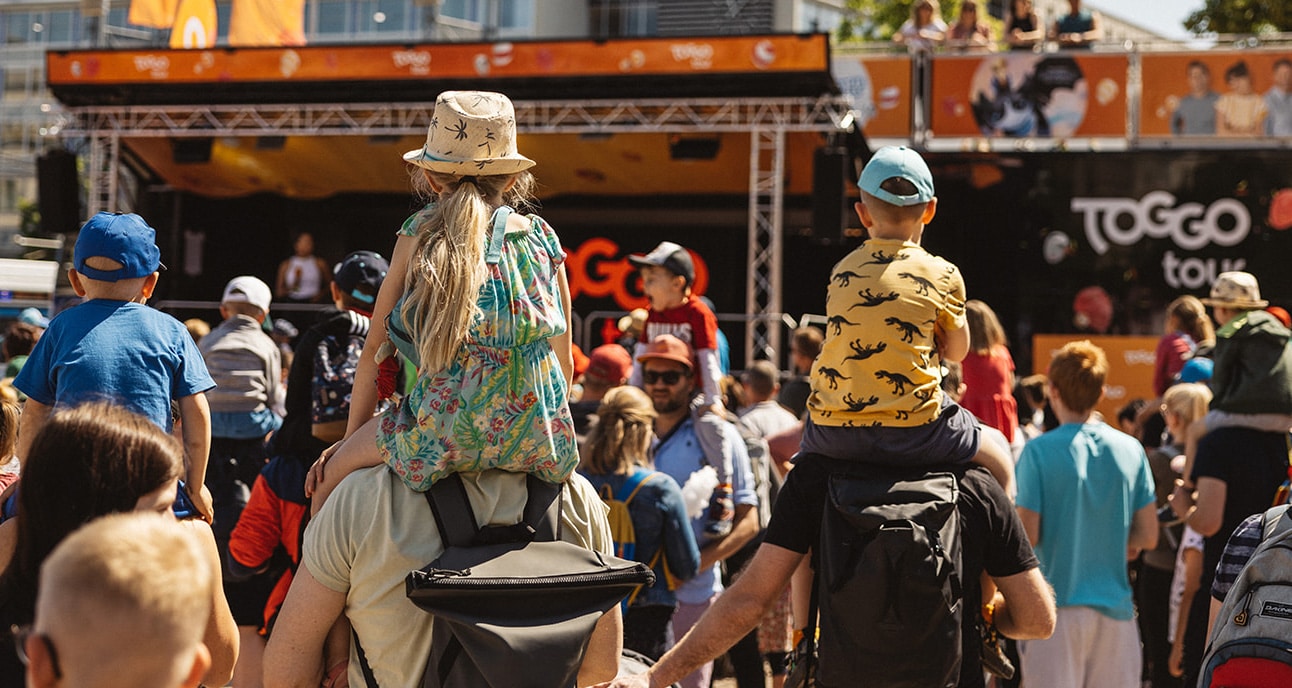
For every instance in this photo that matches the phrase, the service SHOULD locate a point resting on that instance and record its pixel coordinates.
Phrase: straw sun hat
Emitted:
(471, 133)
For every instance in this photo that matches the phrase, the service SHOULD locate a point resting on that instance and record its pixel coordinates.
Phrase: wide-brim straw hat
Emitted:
(471, 133)
(1237, 290)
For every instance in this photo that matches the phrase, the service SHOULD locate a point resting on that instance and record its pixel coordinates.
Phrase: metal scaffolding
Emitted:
(768, 120)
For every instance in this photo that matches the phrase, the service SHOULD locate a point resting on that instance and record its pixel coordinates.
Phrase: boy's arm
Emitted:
(34, 415)
(953, 345)
(195, 423)
(710, 378)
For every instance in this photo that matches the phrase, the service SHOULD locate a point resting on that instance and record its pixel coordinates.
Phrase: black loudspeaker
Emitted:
(58, 192)
(190, 151)
(829, 195)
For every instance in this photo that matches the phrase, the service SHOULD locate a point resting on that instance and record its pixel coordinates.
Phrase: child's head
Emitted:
(246, 295)
(116, 257)
(9, 416)
(1077, 374)
(1232, 294)
(357, 279)
(138, 576)
(621, 438)
(667, 274)
(1283, 74)
(1187, 314)
(1184, 403)
(1239, 78)
(897, 197)
(1199, 75)
(985, 331)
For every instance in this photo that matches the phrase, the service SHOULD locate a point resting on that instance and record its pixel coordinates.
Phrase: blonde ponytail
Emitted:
(621, 438)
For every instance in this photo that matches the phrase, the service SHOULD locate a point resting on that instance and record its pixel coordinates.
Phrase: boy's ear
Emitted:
(75, 278)
(40, 666)
(863, 214)
(150, 284)
(201, 663)
(930, 209)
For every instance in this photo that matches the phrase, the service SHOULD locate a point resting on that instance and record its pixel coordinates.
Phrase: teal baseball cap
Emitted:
(901, 162)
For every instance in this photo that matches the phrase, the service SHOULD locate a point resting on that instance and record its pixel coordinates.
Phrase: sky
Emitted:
(1166, 16)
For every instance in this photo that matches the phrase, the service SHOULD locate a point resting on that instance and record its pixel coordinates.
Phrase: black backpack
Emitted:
(888, 584)
(514, 605)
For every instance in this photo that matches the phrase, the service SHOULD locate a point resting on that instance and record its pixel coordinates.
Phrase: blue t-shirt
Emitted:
(679, 455)
(1086, 481)
(116, 351)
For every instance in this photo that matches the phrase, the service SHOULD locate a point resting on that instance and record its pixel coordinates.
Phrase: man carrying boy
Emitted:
(115, 346)
(247, 367)
(894, 311)
(1085, 497)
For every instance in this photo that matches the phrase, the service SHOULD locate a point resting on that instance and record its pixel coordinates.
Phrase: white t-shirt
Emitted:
(304, 278)
(373, 530)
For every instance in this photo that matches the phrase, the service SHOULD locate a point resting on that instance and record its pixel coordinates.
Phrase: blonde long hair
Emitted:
(448, 267)
(621, 437)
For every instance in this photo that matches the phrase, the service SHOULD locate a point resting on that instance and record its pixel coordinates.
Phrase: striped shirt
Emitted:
(1242, 544)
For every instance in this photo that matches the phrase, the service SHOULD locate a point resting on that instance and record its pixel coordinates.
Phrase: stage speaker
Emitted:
(829, 194)
(58, 192)
(189, 151)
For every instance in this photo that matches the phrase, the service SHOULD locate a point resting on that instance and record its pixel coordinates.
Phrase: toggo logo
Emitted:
(1190, 226)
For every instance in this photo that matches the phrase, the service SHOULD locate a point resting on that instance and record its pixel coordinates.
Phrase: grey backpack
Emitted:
(514, 605)
(1251, 644)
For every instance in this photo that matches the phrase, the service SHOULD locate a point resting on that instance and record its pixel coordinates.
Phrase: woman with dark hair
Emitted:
(90, 461)
(616, 462)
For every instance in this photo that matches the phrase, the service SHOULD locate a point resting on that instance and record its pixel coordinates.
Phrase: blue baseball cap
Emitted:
(33, 317)
(901, 162)
(123, 237)
(1196, 370)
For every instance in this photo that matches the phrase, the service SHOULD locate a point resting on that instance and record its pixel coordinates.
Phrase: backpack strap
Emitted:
(452, 510)
(494, 253)
(457, 522)
(368, 677)
(543, 508)
(634, 483)
(1275, 520)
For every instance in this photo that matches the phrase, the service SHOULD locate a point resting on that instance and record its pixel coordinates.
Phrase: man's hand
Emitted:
(635, 681)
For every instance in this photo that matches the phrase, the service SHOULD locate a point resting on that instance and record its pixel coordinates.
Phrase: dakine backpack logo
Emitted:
(888, 582)
(1251, 644)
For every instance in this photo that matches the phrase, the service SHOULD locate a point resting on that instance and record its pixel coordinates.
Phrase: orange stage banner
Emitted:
(748, 54)
(880, 90)
(1130, 366)
(267, 23)
(1182, 92)
(195, 25)
(157, 14)
(1049, 95)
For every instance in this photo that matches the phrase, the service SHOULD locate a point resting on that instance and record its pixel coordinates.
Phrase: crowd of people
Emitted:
(926, 31)
(296, 482)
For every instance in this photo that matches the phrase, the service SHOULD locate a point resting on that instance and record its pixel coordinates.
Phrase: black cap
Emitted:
(670, 256)
(361, 268)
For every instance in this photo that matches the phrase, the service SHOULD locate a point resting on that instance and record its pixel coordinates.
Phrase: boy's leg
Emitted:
(341, 459)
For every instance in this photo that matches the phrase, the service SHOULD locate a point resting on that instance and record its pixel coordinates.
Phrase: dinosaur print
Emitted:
(881, 258)
(838, 321)
(923, 394)
(861, 353)
(922, 285)
(857, 405)
(869, 299)
(909, 331)
(902, 415)
(832, 375)
(897, 380)
(845, 278)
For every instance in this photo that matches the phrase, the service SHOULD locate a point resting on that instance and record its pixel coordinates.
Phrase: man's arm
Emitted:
(743, 529)
(1024, 605)
(1031, 524)
(1209, 506)
(732, 616)
(34, 415)
(601, 659)
(1144, 528)
(294, 656)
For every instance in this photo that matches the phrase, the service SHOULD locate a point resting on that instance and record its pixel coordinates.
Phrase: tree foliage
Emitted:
(1258, 17)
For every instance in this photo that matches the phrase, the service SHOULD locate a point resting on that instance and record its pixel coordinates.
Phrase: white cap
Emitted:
(248, 289)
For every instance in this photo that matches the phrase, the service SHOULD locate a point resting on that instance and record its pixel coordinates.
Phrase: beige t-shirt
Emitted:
(373, 530)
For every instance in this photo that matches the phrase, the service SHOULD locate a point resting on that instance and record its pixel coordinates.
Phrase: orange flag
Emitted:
(157, 14)
(195, 25)
(267, 22)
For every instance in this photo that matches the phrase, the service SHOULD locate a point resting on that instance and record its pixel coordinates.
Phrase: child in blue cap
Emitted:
(113, 346)
(895, 311)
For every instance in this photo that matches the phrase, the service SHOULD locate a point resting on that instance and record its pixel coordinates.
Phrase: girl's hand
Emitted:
(314, 478)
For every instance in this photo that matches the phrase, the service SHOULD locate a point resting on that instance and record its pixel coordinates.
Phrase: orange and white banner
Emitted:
(156, 14)
(195, 25)
(1130, 366)
(267, 23)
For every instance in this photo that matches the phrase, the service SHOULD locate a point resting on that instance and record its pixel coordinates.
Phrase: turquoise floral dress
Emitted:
(502, 402)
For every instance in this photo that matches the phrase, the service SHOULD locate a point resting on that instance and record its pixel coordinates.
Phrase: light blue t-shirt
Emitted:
(116, 351)
(1086, 481)
(679, 455)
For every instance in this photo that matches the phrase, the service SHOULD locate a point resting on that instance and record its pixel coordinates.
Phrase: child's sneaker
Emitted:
(722, 512)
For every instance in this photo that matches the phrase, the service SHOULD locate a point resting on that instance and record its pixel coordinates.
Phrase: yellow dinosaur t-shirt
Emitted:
(879, 363)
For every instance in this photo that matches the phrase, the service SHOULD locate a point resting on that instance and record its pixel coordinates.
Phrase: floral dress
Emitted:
(501, 403)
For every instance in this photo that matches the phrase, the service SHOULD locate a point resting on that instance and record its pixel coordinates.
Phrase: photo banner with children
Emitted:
(1029, 95)
(1217, 93)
